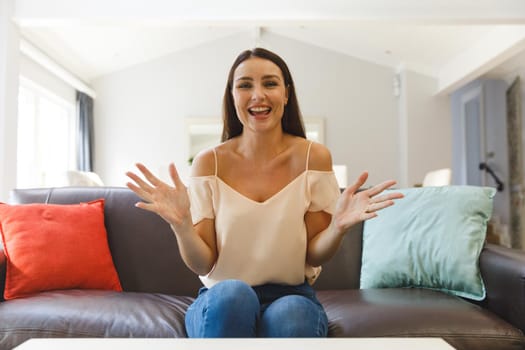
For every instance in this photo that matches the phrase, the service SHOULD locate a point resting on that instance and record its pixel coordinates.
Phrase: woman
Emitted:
(262, 213)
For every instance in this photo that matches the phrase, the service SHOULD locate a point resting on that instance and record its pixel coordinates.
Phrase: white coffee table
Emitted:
(236, 344)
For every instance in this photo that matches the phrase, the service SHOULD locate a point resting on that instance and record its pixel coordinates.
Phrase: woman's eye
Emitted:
(244, 86)
(270, 84)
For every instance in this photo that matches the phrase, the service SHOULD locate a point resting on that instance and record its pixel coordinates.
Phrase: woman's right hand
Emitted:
(170, 202)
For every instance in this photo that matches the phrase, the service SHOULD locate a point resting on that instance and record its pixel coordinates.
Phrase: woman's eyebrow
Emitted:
(243, 78)
(269, 76)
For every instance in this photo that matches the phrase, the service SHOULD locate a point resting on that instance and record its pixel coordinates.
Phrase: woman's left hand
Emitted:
(354, 207)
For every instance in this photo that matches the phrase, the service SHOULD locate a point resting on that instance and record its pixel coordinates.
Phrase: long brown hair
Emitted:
(292, 121)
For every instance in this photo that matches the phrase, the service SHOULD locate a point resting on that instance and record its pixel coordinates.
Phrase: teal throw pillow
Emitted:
(431, 238)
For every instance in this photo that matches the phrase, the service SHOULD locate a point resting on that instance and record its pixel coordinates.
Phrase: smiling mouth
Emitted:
(259, 111)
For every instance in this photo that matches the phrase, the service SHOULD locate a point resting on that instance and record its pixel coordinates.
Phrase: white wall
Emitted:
(356, 99)
(429, 130)
(140, 112)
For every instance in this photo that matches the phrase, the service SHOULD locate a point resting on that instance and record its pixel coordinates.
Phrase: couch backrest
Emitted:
(145, 250)
(344, 269)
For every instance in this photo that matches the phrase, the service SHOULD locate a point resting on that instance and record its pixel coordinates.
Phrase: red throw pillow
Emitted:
(53, 246)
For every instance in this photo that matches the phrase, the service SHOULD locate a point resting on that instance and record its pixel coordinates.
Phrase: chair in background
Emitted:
(72, 178)
(440, 177)
(340, 175)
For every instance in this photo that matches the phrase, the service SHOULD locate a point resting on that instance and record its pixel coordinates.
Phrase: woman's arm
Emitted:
(323, 240)
(326, 232)
(197, 243)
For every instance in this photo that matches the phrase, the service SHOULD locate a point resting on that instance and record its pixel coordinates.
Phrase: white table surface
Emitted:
(236, 344)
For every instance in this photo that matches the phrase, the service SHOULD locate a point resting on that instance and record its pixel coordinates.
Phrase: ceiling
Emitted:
(455, 43)
(97, 50)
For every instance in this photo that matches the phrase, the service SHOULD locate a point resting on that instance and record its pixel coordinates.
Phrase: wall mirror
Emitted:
(206, 132)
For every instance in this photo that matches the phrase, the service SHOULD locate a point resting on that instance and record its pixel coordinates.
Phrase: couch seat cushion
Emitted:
(95, 313)
(412, 312)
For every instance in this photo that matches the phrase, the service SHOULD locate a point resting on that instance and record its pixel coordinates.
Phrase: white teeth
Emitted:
(259, 109)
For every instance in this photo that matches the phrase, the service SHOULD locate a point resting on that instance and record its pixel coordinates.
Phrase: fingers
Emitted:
(145, 186)
(142, 184)
(373, 191)
(368, 216)
(358, 184)
(146, 190)
(174, 174)
(387, 196)
(141, 188)
(373, 207)
(381, 187)
(138, 191)
(148, 175)
(378, 202)
(384, 200)
(146, 206)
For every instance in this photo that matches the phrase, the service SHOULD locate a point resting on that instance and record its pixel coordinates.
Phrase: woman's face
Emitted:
(259, 94)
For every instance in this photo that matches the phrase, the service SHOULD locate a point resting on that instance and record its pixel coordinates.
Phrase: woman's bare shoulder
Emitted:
(320, 158)
(203, 163)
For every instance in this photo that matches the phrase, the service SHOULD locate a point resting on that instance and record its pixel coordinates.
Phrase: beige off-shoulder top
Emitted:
(262, 242)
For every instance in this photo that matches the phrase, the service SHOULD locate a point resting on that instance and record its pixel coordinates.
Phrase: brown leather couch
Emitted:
(158, 289)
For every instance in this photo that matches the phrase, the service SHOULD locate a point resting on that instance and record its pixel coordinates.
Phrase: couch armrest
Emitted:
(503, 271)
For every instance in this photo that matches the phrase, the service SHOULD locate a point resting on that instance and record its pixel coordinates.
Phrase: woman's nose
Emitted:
(258, 93)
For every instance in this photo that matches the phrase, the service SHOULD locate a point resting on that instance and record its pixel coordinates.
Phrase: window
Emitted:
(46, 136)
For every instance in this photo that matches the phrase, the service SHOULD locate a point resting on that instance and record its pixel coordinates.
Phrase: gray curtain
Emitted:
(85, 132)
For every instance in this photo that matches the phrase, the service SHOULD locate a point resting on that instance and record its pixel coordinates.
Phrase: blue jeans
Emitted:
(232, 308)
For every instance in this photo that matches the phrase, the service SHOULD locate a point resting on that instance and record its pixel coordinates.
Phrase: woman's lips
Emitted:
(259, 111)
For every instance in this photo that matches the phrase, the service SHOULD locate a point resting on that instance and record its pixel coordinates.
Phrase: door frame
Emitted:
(474, 93)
